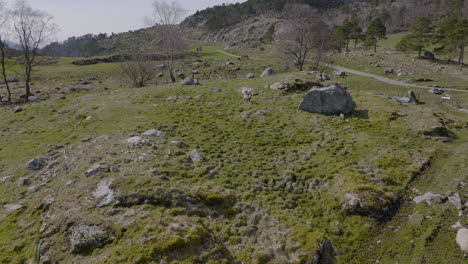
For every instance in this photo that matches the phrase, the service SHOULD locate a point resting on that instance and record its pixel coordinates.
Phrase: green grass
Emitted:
(272, 183)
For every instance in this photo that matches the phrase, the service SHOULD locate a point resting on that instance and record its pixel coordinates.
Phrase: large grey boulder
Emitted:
(35, 164)
(329, 100)
(462, 239)
(266, 73)
(84, 238)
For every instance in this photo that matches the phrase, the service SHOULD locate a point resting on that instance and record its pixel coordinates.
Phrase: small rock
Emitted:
(250, 76)
(12, 207)
(17, 109)
(277, 86)
(389, 71)
(104, 192)
(103, 137)
(95, 169)
(24, 181)
(215, 90)
(154, 132)
(4, 179)
(428, 198)
(268, 72)
(33, 99)
(456, 225)
(179, 144)
(134, 140)
(436, 91)
(35, 164)
(70, 182)
(454, 198)
(196, 156)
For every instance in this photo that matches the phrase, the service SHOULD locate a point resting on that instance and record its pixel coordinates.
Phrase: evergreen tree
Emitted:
(376, 31)
(420, 36)
(452, 35)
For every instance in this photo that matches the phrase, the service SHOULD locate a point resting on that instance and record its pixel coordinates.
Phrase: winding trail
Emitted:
(365, 74)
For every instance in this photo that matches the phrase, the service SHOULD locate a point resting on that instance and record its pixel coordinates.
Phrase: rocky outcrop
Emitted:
(329, 100)
(86, 238)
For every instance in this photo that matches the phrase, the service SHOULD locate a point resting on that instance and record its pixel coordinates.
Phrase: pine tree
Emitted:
(376, 31)
(420, 36)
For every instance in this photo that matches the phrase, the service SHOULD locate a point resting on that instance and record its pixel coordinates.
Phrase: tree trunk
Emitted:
(419, 53)
(301, 66)
(5, 79)
(171, 74)
(375, 45)
(462, 53)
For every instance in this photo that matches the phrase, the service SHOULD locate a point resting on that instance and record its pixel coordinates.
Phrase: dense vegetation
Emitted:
(221, 16)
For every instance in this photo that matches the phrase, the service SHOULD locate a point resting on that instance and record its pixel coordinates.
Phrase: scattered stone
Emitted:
(428, 198)
(339, 73)
(87, 79)
(179, 144)
(154, 132)
(196, 156)
(455, 199)
(24, 181)
(353, 202)
(33, 99)
(161, 67)
(323, 77)
(246, 93)
(436, 91)
(456, 225)
(35, 164)
(134, 140)
(389, 71)
(12, 207)
(278, 86)
(4, 179)
(230, 63)
(160, 75)
(84, 238)
(70, 182)
(17, 109)
(250, 76)
(437, 131)
(103, 137)
(104, 192)
(462, 239)
(96, 169)
(268, 72)
(190, 81)
(215, 90)
(198, 96)
(329, 100)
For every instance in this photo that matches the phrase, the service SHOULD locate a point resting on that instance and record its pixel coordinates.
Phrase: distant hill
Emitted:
(256, 22)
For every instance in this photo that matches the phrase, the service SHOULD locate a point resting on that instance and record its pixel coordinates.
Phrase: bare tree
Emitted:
(166, 18)
(32, 29)
(138, 71)
(4, 19)
(306, 35)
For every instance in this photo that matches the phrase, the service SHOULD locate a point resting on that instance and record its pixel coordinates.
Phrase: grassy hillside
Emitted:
(271, 188)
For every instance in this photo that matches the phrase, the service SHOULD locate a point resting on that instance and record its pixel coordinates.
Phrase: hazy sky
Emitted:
(79, 17)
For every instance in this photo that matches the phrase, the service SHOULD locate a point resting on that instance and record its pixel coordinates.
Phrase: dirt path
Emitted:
(369, 75)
